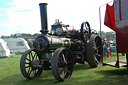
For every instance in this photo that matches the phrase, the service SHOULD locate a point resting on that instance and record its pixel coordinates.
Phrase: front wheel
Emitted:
(25, 64)
(62, 64)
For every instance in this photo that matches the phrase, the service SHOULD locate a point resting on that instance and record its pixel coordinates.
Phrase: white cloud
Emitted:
(24, 15)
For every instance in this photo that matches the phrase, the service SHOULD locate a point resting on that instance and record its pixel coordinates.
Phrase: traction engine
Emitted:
(60, 49)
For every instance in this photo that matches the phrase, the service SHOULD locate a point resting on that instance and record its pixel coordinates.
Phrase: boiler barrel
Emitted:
(48, 43)
(56, 42)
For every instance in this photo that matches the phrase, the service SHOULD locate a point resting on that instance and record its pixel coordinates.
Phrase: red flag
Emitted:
(110, 17)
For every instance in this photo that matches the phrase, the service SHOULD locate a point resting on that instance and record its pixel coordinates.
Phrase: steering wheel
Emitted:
(85, 31)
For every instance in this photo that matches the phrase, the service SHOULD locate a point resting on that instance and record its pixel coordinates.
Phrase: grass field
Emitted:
(82, 75)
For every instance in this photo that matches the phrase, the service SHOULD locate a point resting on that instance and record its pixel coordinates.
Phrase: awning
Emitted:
(109, 19)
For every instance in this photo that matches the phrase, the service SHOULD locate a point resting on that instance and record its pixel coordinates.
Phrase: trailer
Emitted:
(116, 18)
(4, 50)
(17, 45)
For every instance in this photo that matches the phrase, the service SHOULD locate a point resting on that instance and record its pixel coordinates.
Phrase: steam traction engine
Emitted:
(60, 49)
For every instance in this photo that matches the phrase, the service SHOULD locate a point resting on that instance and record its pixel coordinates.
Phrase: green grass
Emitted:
(82, 75)
(113, 57)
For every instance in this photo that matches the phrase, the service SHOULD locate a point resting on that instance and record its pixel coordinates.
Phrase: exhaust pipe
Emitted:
(43, 14)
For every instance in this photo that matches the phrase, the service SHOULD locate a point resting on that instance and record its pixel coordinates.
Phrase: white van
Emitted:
(17, 45)
(4, 49)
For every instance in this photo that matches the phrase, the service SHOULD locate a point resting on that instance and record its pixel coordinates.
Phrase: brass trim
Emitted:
(69, 43)
(62, 42)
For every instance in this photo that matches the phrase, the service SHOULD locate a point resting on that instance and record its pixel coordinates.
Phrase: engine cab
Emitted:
(59, 29)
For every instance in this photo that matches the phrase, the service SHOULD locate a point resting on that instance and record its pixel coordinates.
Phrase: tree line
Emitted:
(108, 35)
(22, 35)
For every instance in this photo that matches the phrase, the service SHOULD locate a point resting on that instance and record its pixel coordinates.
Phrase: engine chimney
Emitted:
(43, 14)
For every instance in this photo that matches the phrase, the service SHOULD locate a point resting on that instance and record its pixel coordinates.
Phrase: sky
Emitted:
(23, 16)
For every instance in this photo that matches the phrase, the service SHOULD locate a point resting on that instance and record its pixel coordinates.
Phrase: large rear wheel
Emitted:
(62, 64)
(93, 51)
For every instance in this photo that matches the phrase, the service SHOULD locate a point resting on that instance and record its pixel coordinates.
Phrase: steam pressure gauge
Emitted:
(59, 31)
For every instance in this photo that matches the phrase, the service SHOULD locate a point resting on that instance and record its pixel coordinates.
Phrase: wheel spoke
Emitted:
(66, 69)
(32, 56)
(97, 54)
(34, 72)
(60, 60)
(96, 60)
(61, 56)
(27, 59)
(94, 47)
(29, 56)
(27, 63)
(30, 72)
(60, 70)
(27, 66)
(64, 58)
(96, 41)
(63, 72)
(98, 47)
(36, 56)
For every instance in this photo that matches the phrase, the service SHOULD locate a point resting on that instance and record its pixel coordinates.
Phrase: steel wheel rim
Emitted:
(64, 68)
(62, 64)
(97, 50)
(26, 67)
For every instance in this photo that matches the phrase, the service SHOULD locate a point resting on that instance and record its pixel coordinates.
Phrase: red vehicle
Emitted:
(116, 18)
